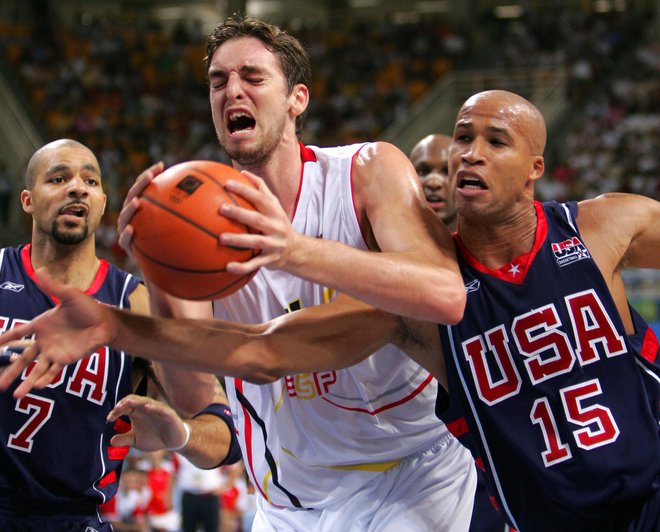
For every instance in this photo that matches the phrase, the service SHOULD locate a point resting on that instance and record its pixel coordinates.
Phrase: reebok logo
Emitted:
(569, 251)
(14, 287)
(472, 286)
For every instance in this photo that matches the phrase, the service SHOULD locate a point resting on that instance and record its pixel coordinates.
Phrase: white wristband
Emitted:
(185, 441)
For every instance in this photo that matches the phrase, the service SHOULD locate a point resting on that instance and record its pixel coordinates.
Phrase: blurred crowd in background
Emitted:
(136, 93)
(162, 492)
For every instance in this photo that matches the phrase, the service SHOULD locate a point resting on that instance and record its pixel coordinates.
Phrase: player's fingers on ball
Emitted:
(144, 179)
(259, 183)
(251, 194)
(126, 237)
(238, 240)
(243, 268)
(253, 219)
(127, 213)
(240, 268)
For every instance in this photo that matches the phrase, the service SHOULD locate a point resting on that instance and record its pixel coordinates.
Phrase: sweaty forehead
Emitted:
(505, 112)
(67, 157)
(506, 117)
(242, 53)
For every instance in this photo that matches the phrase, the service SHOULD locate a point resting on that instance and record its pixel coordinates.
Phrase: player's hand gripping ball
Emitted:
(176, 229)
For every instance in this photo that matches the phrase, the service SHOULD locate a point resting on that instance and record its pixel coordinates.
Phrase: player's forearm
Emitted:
(404, 283)
(191, 344)
(324, 337)
(351, 330)
(209, 441)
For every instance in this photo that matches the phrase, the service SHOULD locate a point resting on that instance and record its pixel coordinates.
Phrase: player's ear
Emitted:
(538, 167)
(26, 201)
(299, 99)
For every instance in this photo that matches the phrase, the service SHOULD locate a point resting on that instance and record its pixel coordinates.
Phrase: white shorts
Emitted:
(430, 491)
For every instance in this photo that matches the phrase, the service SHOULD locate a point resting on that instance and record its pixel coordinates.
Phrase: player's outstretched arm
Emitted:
(416, 274)
(324, 337)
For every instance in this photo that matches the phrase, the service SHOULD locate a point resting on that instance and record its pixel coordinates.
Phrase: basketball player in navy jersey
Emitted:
(430, 157)
(60, 457)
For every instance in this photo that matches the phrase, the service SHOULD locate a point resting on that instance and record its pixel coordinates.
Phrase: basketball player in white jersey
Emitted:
(355, 449)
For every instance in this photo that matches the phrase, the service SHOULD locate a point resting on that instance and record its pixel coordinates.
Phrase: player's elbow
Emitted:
(449, 306)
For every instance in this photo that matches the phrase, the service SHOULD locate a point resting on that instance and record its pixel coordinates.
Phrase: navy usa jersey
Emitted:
(563, 411)
(55, 455)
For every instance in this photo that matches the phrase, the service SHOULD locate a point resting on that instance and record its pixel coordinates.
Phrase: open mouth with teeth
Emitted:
(471, 182)
(240, 122)
(79, 211)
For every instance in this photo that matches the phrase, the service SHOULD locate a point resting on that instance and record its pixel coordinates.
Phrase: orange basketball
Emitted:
(175, 241)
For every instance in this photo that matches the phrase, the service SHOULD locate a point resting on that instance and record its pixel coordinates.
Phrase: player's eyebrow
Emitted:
(57, 168)
(218, 72)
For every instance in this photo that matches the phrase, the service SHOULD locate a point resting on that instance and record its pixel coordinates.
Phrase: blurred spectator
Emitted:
(162, 515)
(200, 496)
(131, 501)
(238, 499)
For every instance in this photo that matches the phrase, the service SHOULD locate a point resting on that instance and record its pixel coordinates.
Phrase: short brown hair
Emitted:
(294, 59)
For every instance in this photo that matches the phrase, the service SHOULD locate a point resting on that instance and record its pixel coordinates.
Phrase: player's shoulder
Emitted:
(11, 261)
(335, 152)
(617, 207)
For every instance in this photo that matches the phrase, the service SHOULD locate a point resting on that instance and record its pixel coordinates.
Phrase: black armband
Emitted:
(222, 411)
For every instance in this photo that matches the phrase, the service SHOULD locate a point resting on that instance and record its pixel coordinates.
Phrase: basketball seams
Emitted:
(180, 216)
(194, 169)
(211, 295)
(204, 230)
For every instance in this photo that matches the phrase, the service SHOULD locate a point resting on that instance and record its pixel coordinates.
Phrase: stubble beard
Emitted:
(258, 156)
(69, 235)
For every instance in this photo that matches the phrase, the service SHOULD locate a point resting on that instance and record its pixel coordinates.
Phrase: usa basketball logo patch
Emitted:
(569, 251)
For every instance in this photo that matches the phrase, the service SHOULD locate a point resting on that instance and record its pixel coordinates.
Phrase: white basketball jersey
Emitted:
(309, 440)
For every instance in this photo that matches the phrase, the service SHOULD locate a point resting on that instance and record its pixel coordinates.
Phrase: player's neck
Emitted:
(495, 243)
(281, 172)
(72, 264)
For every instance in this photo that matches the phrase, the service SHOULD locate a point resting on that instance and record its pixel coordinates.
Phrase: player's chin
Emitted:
(68, 235)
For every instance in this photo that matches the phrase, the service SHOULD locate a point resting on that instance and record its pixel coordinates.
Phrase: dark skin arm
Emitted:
(319, 338)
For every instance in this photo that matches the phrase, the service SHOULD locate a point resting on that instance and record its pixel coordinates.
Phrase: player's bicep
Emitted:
(644, 248)
(388, 193)
(621, 230)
